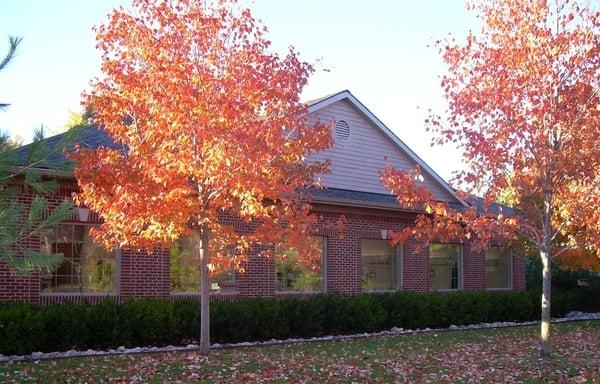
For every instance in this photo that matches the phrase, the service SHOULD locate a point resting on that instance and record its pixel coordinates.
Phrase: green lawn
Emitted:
(506, 356)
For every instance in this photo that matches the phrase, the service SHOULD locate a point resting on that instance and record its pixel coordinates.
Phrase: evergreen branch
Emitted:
(13, 43)
(34, 261)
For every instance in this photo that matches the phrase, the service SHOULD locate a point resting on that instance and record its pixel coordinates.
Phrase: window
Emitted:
(497, 268)
(380, 265)
(445, 266)
(293, 276)
(87, 267)
(185, 269)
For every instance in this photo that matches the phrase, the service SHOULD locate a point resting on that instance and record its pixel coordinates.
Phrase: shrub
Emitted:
(186, 313)
(25, 328)
(104, 325)
(567, 294)
(21, 328)
(147, 321)
(65, 326)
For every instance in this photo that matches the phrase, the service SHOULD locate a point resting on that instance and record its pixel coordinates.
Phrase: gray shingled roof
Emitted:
(340, 196)
(493, 207)
(345, 194)
(90, 137)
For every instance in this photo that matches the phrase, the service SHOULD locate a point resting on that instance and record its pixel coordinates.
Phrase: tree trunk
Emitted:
(204, 293)
(546, 293)
(546, 255)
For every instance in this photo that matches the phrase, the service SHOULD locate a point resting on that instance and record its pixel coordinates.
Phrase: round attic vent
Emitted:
(342, 130)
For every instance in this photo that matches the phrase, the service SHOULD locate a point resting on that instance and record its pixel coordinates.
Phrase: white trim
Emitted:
(387, 132)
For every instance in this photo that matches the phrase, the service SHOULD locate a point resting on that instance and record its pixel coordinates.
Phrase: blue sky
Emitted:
(377, 49)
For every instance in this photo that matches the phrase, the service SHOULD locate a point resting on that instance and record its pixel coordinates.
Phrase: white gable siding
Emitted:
(356, 163)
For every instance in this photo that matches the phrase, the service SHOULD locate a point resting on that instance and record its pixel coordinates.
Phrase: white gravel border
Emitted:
(571, 316)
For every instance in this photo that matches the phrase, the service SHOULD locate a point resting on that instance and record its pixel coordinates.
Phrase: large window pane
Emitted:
(497, 268)
(445, 266)
(185, 269)
(293, 276)
(87, 267)
(379, 262)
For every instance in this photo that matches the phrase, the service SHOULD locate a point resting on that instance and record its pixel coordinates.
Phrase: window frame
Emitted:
(398, 279)
(323, 274)
(461, 268)
(117, 286)
(510, 272)
(197, 292)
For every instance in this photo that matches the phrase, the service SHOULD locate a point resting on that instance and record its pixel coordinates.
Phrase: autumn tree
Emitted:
(523, 106)
(213, 133)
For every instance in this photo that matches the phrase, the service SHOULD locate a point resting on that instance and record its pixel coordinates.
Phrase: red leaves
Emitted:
(509, 355)
(523, 110)
(205, 105)
(438, 221)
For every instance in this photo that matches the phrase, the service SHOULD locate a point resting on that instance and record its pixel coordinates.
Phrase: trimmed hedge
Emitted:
(27, 328)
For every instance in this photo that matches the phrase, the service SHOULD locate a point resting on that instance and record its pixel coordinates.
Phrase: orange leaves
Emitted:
(198, 104)
(439, 222)
(522, 96)
(404, 185)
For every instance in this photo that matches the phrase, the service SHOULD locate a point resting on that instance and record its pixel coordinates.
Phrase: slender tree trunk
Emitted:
(546, 295)
(204, 293)
(546, 255)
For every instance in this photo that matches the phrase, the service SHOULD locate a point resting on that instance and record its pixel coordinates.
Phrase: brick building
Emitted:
(359, 260)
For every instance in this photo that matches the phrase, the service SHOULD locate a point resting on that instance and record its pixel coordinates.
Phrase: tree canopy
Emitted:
(523, 97)
(213, 134)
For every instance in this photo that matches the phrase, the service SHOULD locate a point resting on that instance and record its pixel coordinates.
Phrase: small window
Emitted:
(86, 268)
(497, 268)
(445, 266)
(380, 266)
(185, 269)
(293, 276)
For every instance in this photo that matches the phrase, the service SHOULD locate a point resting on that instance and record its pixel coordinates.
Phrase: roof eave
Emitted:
(44, 171)
(359, 204)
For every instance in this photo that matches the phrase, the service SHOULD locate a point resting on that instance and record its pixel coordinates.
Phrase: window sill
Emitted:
(187, 294)
(299, 293)
(507, 289)
(381, 291)
(75, 294)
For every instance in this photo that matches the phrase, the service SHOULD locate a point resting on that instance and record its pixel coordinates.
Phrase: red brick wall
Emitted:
(144, 275)
(147, 275)
(519, 272)
(14, 288)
